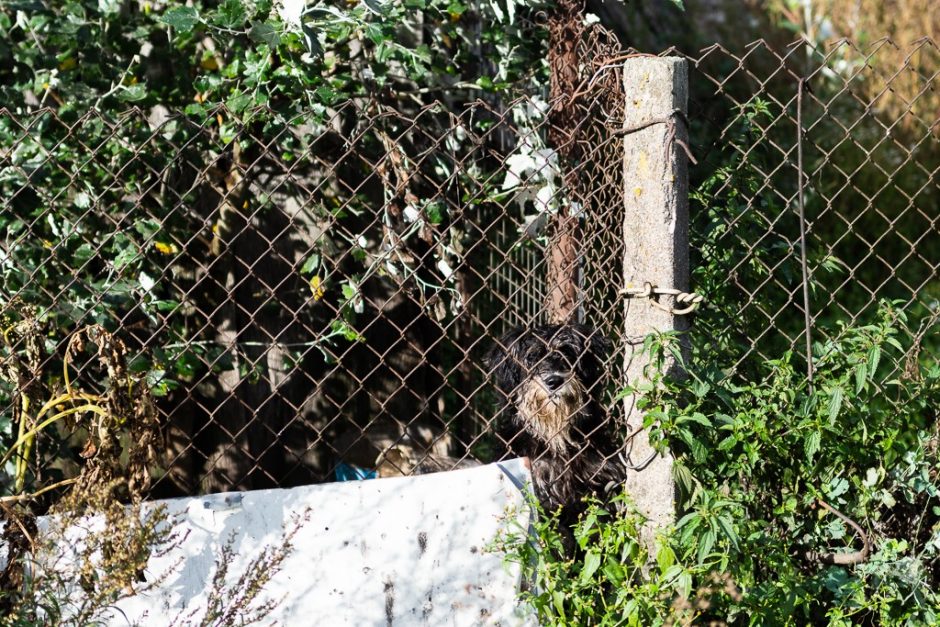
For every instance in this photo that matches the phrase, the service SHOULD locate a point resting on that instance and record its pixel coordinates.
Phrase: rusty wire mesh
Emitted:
(308, 293)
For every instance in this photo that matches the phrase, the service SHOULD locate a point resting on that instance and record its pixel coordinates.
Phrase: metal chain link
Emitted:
(689, 301)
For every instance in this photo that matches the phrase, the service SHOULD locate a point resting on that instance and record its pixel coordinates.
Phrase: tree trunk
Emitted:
(565, 29)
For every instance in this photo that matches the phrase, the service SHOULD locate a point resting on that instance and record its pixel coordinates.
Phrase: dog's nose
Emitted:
(554, 381)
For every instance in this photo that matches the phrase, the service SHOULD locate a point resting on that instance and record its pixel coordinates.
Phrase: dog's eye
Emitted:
(534, 355)
(569, 356)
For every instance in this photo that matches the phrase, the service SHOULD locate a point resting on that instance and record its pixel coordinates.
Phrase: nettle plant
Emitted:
(761, 462)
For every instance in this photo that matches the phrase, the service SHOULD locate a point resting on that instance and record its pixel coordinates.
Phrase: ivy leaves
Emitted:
(181, 18)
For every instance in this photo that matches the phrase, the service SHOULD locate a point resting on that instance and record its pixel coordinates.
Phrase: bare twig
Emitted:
(842, 559)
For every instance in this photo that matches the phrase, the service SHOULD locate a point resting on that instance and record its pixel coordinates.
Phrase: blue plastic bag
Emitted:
(347, 472)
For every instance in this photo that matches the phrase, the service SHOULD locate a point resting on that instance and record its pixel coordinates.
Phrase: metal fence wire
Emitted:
(306, 295)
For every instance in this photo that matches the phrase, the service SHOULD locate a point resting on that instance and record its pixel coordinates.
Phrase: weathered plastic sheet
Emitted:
(390, 552)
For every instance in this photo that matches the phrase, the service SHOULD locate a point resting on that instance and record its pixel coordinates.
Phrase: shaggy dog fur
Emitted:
(549, 378)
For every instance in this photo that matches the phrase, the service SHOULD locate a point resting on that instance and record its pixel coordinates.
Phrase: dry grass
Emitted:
(892, 50)
(93, 547)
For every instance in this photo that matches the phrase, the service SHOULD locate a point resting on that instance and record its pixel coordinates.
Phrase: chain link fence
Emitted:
(306, 295)
(847, 136)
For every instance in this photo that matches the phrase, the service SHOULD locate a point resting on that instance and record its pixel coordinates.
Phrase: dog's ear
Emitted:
(501, 361)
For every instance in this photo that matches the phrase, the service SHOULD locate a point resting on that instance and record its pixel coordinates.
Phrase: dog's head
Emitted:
(548, 377)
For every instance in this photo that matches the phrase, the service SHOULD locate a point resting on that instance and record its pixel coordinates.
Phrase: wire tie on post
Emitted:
(689, 301)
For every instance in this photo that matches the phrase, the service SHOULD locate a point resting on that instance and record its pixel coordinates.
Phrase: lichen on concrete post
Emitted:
(656, 236)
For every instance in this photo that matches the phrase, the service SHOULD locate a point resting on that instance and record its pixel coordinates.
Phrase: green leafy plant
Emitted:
(776, 472)
(611, 579)
(139, 140)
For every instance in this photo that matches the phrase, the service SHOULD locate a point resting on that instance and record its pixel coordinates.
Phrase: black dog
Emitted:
(549, 378)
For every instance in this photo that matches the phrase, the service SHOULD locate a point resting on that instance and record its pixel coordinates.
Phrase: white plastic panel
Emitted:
(389, 552)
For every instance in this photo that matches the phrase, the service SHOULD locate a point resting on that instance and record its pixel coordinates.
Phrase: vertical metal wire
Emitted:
(800, 183)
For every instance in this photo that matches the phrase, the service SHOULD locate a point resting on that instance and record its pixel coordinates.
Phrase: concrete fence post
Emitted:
(656, 236)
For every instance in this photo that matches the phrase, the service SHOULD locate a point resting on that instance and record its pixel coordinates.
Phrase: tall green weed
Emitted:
(758, 459)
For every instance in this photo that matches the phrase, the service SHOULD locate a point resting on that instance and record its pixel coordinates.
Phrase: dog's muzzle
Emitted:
(548, 405)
